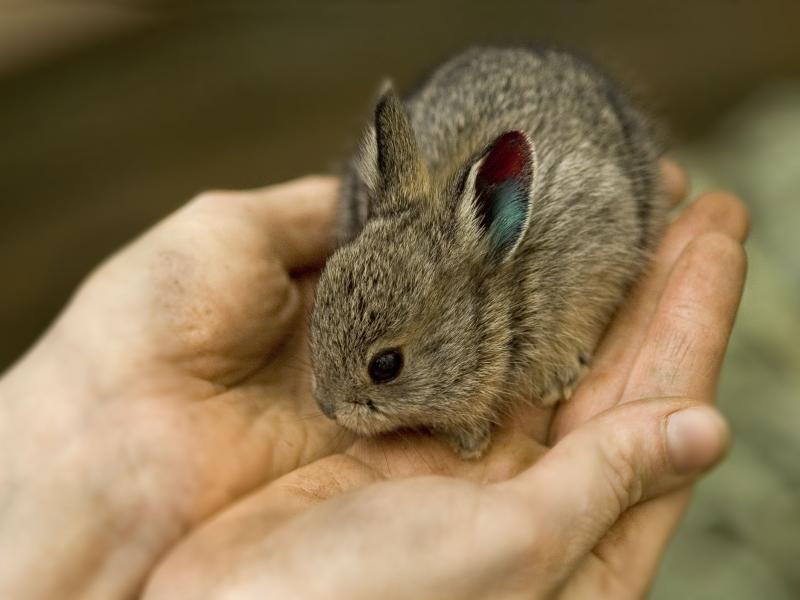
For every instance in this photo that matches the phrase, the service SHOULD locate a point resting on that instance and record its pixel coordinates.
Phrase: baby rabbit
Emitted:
(490, 226)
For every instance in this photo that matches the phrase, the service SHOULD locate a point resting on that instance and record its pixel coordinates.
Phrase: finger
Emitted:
(299, 218)
(685, 343)
(674, 179)
(718, 212)
(592, 476)
(606, 381)
(682, 355)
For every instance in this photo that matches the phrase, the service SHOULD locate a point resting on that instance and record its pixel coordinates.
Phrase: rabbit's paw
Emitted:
(565, 380)
(470, 444)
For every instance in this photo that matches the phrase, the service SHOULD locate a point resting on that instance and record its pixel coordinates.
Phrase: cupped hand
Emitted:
(173, 383)
(177, 381)
(562, 502)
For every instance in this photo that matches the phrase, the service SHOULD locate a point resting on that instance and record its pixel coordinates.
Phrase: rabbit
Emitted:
(489, 227)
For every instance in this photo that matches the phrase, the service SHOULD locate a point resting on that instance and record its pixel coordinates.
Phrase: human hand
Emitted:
(168, 388)
(562, 524)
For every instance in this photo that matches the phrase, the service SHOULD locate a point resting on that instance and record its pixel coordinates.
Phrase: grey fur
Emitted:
(414, 270)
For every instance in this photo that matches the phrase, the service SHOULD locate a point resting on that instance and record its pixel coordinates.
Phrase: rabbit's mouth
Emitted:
(363, 417)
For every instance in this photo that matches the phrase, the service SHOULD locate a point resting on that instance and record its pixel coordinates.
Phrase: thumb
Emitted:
(625, 455)
(298, 216)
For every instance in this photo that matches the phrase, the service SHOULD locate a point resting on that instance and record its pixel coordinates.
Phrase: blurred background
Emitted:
(114, 113)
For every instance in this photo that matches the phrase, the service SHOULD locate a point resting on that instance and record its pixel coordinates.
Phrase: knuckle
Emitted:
(718, 246)
(719, 199)
(673, 177)
(716, 255)
(310, 186)
(726, 211)
(317, 180)
(213, 198)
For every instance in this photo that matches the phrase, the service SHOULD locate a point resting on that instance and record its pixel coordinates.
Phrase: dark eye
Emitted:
(385, 366)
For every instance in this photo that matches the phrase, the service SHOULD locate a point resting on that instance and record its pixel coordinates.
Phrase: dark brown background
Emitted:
(114, 113)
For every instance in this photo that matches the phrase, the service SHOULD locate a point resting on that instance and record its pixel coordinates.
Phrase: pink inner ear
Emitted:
(508, 157)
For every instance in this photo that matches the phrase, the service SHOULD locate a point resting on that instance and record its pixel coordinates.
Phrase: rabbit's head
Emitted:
(409, 325)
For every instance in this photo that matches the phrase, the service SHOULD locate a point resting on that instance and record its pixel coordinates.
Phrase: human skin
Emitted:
(176, 382)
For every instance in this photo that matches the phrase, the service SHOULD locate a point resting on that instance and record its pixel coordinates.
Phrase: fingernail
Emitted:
(697, 438)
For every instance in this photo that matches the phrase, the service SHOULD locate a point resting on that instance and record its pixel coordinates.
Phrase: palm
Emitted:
(212, 324)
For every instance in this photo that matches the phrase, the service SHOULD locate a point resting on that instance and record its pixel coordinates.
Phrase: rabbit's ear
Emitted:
(400, 170)
(496, 192)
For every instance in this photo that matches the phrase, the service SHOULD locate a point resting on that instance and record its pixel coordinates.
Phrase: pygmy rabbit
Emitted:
(490, 225)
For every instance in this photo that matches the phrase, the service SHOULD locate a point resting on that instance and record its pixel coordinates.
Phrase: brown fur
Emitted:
(415, 270)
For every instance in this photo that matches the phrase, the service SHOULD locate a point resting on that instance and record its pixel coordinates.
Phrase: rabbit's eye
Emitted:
(385, 366)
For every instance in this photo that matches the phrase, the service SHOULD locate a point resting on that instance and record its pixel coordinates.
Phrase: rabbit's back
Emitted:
(564, 103)
(596, 205)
